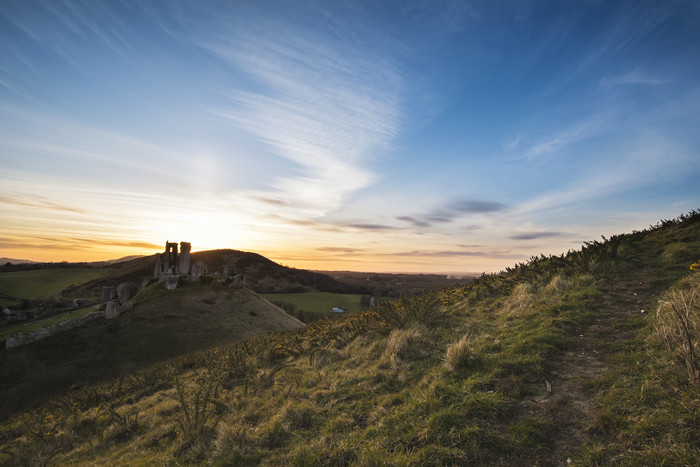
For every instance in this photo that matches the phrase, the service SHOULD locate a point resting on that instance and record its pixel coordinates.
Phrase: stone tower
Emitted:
(185, 248)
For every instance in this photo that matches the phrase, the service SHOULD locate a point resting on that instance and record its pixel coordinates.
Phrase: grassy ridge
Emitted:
(550, 362)
(45, 283)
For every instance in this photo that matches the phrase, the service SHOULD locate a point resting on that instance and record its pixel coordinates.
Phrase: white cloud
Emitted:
(576, 133)
(634, 77)
(327, 105)
(650, 161)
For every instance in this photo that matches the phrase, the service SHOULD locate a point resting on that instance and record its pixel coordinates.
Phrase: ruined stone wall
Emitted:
(28, 337)
(112, 310)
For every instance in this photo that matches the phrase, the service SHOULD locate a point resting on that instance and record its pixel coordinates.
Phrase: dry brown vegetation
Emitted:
(551, 362)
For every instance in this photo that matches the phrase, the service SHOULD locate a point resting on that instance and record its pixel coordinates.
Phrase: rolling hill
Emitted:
(161, 325)
(576, 359)
(261, 274)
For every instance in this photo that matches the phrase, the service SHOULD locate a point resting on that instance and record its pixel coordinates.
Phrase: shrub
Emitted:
(677, 252)
(678, 324)
(407, 311)
(200, 405)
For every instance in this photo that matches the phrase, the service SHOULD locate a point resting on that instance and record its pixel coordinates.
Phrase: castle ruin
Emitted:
(171, 264)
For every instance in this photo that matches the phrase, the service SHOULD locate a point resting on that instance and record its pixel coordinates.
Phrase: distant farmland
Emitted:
(44, 283)
(318, 303)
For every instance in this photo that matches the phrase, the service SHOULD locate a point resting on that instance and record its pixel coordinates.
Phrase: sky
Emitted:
(387, 136)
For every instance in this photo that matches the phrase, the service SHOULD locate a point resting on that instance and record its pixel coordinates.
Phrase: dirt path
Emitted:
(564, 396)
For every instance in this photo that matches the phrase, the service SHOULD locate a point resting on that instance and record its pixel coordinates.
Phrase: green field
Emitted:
(45, 283)
(32, 325)
(319, 303)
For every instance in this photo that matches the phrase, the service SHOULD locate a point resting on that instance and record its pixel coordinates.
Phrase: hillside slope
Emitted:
(261, 274)
(162, 324)
(557, 361)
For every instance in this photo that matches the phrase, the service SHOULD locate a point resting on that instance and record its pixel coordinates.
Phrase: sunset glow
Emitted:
(374, 136)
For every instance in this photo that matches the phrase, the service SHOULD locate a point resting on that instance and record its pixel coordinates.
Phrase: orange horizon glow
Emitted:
(298, 259)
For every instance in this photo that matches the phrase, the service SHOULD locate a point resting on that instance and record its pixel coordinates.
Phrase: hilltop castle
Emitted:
(171, 265)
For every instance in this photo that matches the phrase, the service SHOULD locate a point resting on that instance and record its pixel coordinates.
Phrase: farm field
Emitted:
(318, 303)
(45, 283)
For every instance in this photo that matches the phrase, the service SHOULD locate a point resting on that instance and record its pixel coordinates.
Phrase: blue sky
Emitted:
(443, 136)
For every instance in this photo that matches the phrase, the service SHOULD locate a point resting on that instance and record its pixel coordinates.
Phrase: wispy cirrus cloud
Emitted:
(62, 22)
(581, 131)
(327, 104)
(414, 222)
(37, 201)
(334, 249)
(634, 77)
(453, 253)
(73, 244)
(463, 207)
(535, 235)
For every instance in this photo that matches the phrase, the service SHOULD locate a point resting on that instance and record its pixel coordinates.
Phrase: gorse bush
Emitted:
(200, 404)
(404, 312)
(678, 324)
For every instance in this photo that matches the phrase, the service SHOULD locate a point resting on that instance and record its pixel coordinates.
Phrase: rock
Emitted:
(112, 310)
(108, 293)
(126, 291)
(171, 281)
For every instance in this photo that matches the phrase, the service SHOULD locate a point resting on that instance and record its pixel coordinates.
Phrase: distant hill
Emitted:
(5, 260)
(162, 324)
(261, 274)
(123, 260)
(398, 284)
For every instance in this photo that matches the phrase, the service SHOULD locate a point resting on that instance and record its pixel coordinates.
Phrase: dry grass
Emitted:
(522, 296)
(405, 345)
(460, 354)
(677, 324)
(230, 437)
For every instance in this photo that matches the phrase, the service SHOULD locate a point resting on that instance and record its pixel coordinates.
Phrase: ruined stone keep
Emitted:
(172, 264)
(171, 261)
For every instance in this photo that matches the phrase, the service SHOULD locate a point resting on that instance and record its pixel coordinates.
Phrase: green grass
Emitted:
(28, 326)
(7, 302)
(318, 303)
(45, 283)
(455, 377)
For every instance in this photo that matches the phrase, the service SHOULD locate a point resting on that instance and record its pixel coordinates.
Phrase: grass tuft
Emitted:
(460, 355)
(677, 324)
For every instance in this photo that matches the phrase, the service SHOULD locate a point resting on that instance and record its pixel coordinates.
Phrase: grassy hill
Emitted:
(161, 325)
(261, 274)
(45, 283)
(580, 359)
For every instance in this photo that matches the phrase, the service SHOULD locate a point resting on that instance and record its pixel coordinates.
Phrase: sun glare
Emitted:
(206, 230)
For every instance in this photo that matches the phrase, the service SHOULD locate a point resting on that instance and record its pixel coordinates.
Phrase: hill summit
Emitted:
(261, 274)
